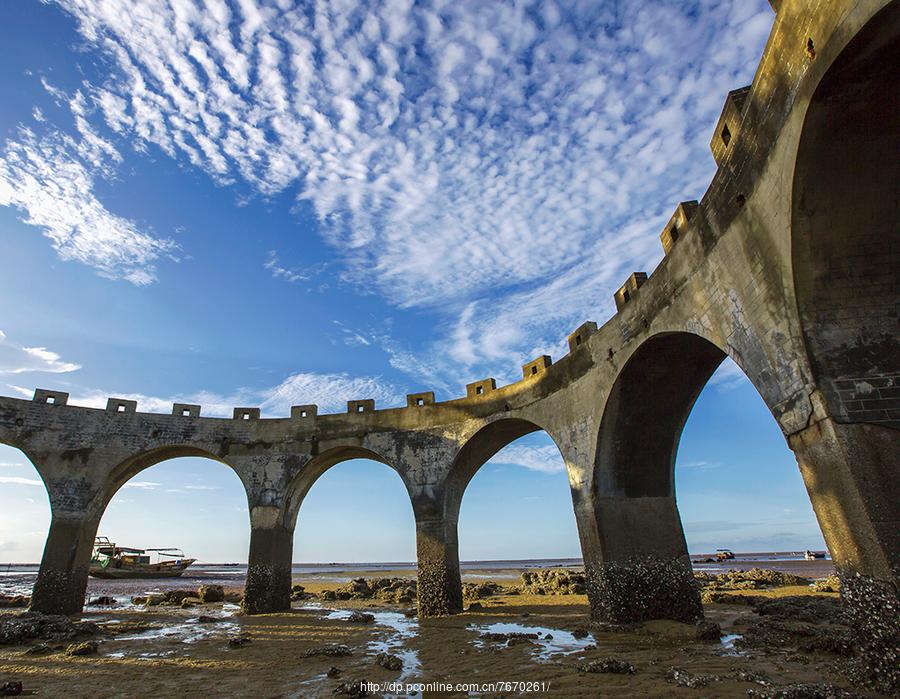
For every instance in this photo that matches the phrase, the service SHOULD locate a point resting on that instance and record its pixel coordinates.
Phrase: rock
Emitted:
(525, 614)
(155, 600)
(481, 590)
(139, 600)
(410, 613)
(29, 625)
(239, 641)
(830, 584)
(357, 688)
(39, 649)
(608, 666)
(753, 579)
(234, 597)
(206, 619)
(211, 593)
(708, 596)
(11, 689)
(553, 581)
(11, 601)
(329, 595)
(580, 632)
(474, 607)
(331, 650)
(507, 637)
(333, 672)
(520, 639)
(103, 601)
(176, 596)
(83, 648)
(708, 631)
(297, 588)
(361, 618)
(190, 602)
(685, 679)
(389, 661)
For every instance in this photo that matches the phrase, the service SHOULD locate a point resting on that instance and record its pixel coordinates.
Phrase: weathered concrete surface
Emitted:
(788, 264)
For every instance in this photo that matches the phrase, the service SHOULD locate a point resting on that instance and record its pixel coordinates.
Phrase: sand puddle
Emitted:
(544, 641)
(401, 629)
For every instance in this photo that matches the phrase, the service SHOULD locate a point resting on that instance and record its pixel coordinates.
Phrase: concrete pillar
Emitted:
(62, 579)
(439, 582)
(850, 471)
(268, 587)
(637, 567)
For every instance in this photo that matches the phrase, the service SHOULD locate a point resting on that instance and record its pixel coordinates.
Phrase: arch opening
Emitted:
(510, 480)
(24, 517)
(168, 499)
(845, 238)
(645, 413)
(352, 494)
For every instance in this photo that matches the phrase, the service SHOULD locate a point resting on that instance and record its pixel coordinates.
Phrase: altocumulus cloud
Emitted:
(505, 162)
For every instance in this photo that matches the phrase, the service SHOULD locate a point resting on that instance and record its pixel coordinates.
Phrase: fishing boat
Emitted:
(116, 562)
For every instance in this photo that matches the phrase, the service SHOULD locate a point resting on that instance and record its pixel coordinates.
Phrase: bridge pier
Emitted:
(268, 587)
(439, 582)
(639, 568)
(62, 578)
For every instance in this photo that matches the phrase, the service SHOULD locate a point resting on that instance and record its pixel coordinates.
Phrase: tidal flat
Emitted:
(764, 632)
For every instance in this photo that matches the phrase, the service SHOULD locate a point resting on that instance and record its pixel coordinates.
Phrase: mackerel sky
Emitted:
(272, 203)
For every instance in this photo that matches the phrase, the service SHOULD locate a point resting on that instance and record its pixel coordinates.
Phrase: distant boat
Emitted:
(813, 555)
(116, 562)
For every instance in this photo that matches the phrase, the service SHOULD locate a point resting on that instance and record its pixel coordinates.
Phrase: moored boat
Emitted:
(112, 561)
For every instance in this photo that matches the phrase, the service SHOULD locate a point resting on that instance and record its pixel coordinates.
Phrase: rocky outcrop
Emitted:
(211, 593)
(553, 581)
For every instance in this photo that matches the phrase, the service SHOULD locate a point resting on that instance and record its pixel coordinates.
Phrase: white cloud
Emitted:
(19, 480)
(142, 485)
(329, 391)
(504, 163)
(51, 179)
(18, 359)
(545, 459)
(728, 376)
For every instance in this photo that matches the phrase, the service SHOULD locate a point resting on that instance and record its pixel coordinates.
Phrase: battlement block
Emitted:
(121, 405)
(417, 400)
(42, 395)
(185, 410)
(677, 224)
(627, 291)
(361, 406)
(535, 367)
(577, 338)
(729, 124)
(480, 388)
(246, 414)
(304, 412)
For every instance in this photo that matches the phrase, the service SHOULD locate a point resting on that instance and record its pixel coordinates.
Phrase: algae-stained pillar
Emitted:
(437, 552)
(268, 587)
(76, 508)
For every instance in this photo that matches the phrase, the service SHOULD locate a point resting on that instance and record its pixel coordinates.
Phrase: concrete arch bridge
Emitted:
(789, 264)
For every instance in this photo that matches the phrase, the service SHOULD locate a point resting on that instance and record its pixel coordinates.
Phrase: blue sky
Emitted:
(249, 203)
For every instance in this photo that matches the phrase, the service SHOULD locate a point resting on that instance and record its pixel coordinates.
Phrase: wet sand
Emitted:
(166, 652)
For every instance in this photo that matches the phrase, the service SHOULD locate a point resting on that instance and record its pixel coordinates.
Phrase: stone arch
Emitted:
(478, 450)
(845, 227)
(133, 465)
(315, 468)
